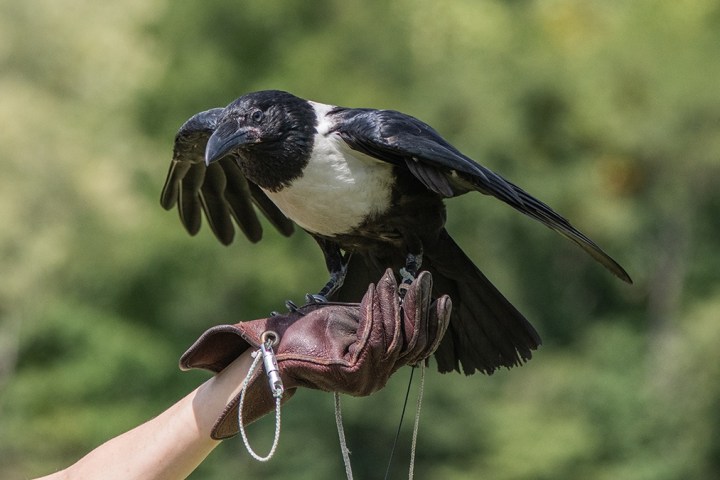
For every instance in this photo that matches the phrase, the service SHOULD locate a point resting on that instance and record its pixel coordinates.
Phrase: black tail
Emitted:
(486, 332)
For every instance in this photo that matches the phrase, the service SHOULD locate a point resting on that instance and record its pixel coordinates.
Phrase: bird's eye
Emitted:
(257, 116)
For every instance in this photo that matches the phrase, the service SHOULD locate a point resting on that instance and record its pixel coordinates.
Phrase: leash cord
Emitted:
(341, 430)
(402, 416)
(341, 433)
(416, 426)
(258, 356)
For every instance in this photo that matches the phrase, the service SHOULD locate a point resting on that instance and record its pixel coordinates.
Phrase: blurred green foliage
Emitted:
(609, 111)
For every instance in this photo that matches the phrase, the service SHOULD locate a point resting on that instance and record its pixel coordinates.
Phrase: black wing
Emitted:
(404, 140)
(220, 190)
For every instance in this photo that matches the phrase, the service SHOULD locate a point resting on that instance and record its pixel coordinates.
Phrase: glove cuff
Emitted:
(216, 349)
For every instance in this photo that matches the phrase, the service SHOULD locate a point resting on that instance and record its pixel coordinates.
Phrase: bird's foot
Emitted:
(291, 306)
(315, 298)
(310, 299)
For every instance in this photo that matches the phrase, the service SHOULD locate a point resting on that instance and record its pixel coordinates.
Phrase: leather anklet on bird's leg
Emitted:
(413, 262)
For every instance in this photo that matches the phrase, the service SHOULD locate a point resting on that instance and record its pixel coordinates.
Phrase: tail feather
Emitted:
(486, 331)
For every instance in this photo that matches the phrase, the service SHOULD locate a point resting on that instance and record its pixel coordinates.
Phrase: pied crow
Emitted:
(368, 185)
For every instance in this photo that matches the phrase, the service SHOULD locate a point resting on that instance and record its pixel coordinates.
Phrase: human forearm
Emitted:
(169, 446)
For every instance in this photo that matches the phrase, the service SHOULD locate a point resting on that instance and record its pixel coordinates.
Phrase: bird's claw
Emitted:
(310, 299)
(291, 306)
(315, 298)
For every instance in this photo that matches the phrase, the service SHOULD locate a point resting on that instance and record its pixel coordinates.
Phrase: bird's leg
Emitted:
(337, 265)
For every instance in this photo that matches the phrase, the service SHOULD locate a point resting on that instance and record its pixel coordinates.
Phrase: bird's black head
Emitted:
(269, 132)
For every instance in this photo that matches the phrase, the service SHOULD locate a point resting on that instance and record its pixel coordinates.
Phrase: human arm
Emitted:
(169, 446)
(347, 348)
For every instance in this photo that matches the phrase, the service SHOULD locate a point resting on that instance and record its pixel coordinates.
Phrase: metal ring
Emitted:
(270, 336)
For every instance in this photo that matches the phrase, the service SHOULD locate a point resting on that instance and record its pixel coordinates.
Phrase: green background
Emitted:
(607, 110)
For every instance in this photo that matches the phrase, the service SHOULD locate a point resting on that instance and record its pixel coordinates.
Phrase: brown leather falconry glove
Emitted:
(335, 347)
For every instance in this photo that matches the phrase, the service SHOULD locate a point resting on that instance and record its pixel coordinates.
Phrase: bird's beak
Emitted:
(224, 139)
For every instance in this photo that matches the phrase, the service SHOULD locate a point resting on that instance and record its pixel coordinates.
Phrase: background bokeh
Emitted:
(607, 110)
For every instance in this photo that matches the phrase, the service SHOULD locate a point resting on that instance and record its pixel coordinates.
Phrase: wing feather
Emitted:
(220, 192)
(403, 140)
(189, 199)
(216, 207)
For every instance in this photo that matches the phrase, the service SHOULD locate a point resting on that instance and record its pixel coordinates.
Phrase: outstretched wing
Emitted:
(221, 191)
(400, 139)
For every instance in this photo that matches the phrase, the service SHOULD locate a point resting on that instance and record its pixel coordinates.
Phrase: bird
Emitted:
(369, 186)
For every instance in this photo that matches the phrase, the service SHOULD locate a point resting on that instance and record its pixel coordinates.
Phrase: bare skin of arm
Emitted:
(169, 446)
